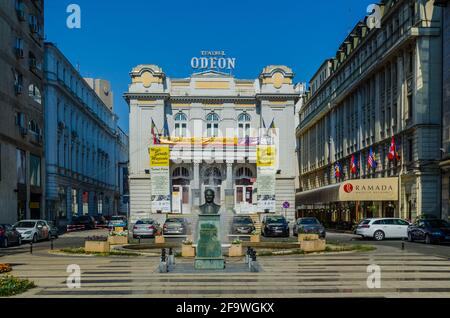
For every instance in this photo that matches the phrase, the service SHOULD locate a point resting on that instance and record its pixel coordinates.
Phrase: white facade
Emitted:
(83, 143)
(211, 104)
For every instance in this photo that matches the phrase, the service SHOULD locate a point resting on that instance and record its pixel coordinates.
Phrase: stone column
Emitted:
(196, 185)
(92, 204)
(80, 202)
(229, 188)
(69, 203)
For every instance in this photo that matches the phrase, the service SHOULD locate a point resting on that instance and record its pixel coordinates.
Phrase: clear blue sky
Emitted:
(117, 35)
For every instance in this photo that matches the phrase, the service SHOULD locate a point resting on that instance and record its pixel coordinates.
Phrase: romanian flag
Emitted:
(337, 170)
(372, 161)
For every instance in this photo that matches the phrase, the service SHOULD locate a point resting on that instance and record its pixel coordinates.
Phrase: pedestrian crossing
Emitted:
(336, 275)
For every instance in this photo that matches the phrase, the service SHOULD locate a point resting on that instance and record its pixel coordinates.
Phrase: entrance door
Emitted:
(180, 197)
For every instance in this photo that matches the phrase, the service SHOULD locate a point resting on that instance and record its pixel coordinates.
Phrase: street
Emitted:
(76, 239)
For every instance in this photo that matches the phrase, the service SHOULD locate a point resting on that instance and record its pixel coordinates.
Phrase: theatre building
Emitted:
(210, 123)
(370, 125)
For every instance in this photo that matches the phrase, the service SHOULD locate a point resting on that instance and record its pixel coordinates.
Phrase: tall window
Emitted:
(180, 125)
(244, 122)
(212, 125)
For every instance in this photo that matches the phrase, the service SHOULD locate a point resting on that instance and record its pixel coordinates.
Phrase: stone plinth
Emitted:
(209, 249)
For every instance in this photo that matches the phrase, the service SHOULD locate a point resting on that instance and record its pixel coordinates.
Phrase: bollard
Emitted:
(139, 240)
(247, 255)
(163, 255)
(51, 243)
(171, 257)
(31, 247)
(403, 246)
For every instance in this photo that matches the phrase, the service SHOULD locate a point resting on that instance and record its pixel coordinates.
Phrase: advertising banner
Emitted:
(266, 170)
(160, 178)
(378, 189)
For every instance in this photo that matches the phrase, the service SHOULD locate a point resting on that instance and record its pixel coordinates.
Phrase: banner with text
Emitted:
(160, 178)
(266, 165)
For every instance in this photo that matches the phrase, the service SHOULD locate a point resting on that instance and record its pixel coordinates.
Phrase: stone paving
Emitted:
(403, 274)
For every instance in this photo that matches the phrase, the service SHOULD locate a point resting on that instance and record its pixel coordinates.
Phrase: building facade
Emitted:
(83, 143)
(206, 106)
(22, 159)
(378, 100)
(445, 163)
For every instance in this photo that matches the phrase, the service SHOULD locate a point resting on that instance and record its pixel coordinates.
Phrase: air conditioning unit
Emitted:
(19, 53)
(18, 89)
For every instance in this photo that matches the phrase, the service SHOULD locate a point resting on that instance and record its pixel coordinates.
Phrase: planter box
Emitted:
(187, 251)
(159, 240)
(96, 247)
(235, 250)
(307, 237)
(313, 246)
(118, 240)
(255, 238)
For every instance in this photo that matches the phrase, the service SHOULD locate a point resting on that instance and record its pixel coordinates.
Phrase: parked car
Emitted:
(118, 221)
(175, 226)
(145, 228)
(9, 236)
(383, 228)
(242, 225)
(309, 225)
(86, 220)
(275, 225)
(430, 231)
(33, 230)
(54, 231)
(100, 220)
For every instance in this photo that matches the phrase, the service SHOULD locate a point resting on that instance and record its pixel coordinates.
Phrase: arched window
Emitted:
(244, 123)
(244, 173)
(180, 125)
(34, 93)
(180, 176)
(212, 176)
(212, 125)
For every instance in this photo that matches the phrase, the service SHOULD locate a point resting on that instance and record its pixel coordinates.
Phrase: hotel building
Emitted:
(207, 106)
(22, 158)
(383, 85)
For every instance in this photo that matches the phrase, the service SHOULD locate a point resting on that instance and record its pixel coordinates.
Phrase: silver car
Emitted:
(145, 228)
(175, 226)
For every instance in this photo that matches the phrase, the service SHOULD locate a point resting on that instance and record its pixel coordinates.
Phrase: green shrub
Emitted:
(10, 286)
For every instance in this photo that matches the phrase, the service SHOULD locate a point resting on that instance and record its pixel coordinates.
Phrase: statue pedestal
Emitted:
(209, 248)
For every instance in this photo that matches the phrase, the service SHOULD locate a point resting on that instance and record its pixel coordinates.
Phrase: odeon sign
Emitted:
(213, 60)
(378, 189)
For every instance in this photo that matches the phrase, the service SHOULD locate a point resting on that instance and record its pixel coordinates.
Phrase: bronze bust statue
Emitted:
(209, 207)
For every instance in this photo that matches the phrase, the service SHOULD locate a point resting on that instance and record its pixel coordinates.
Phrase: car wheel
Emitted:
(410, 238)
(5, 243)
(378, 235)
(19, 241)
(35, 238)
(428, 239)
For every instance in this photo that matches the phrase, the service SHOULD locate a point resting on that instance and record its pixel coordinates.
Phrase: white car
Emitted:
(383, 228)
(33, 230)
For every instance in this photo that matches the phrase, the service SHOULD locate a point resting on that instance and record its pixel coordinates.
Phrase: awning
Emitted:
(376, 189)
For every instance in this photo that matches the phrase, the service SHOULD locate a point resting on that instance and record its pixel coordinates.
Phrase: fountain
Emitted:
(209, 247)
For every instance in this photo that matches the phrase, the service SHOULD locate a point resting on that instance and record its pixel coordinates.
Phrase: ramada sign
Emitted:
(380, 189)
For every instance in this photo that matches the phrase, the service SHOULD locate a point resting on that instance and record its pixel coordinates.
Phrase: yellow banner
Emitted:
(265, 156)
(159, 156)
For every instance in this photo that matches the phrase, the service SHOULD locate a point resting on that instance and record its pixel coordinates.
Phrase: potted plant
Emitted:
(235, 249)
(311, 244)
(96, 244)
(255, 237)
(159, 238)
(303, 236)
(118, 238)
(187, 249)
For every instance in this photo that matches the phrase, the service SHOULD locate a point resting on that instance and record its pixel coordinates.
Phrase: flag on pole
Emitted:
(393, 154)
(372, 161)
(166, 130)
(337, 170)
(354, 165)
(155, 133)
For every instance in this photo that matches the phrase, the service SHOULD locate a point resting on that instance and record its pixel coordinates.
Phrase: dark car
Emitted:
(175, 226)
(242, 225)
(86, 220)
(309, 226)
(430, 231)
(275, 225)
(53, 231)
(100, 220)
(9, 236)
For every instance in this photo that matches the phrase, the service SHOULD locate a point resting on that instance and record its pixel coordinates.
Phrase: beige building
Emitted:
(21, 104)
(383, 83)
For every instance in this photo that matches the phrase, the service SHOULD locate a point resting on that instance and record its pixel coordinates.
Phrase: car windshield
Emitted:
(243, 220)
(144, 222)
(26, 225)
(275, 220)
(437, 223)
(174, 221)
(116, 218)
(308, 221)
